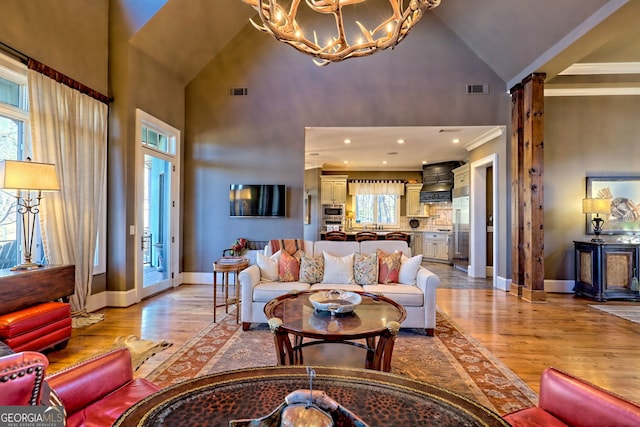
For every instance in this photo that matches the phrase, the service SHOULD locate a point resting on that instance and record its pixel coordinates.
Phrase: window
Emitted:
(14, 138)
(15, 144)
(376, 202)
(377, 210)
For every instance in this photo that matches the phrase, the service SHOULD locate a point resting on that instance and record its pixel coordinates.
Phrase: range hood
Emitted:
(437, 182)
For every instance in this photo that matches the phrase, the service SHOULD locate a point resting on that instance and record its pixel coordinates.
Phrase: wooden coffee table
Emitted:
(373, 326)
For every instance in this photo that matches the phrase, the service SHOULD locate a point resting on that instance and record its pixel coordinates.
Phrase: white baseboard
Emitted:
(559, 286)
(503, 283)
(195, 278)
(96, 302)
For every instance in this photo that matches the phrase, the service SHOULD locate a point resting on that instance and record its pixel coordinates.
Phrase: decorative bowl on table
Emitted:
(335, 301)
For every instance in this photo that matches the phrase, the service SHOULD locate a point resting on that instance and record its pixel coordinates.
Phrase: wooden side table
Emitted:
(225, 266)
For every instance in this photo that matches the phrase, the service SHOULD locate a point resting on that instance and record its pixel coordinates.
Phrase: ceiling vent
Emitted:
(477, 89)
(238, 91)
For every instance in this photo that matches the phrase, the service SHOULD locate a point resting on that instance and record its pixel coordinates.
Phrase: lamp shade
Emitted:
(18, 175)
(596, 206)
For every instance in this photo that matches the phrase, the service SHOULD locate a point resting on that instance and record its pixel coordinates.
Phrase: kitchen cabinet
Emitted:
(435, 246)
(462, 176)
(412, 194)
(333, 189)
(606, 270)
(416, 243)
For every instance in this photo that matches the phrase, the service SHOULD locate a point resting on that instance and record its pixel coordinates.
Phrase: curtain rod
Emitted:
(66, 80)
(41, 68)
(16, 54)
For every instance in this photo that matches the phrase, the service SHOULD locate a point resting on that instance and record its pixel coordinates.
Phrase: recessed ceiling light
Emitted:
(347, 141)
(346, 162)
(401, 141)
(384, 162)
(455, 140)
(424, 162)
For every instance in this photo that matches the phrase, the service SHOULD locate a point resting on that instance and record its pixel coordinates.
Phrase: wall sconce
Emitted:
(29, 179)
(596, 206)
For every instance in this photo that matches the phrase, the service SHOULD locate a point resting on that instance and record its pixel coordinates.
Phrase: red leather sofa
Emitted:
(97, 391)
(22, 378)
(569, 401)
(37, 328)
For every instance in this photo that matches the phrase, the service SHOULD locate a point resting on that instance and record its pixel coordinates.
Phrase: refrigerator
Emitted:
(461, 218)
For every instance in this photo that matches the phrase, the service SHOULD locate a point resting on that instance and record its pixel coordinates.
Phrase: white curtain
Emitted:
(69, 129)
(376, 187)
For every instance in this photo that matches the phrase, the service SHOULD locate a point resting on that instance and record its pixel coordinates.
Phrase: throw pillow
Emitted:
(289, 267)
(409, 269)
(388, 267)
(268, 266)
(338, 270)
(365, 269)
(311, 269)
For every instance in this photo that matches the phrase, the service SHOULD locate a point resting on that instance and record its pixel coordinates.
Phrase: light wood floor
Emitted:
(563, 332)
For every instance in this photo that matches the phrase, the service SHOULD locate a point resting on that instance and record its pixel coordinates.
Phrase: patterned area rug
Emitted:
(141, 350)
(452, 360)
(628, 312)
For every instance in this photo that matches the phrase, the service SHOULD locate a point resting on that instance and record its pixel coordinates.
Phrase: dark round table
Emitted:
(376, 320)
(378, 398)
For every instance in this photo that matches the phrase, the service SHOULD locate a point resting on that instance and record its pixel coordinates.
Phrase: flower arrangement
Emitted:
(239, 246)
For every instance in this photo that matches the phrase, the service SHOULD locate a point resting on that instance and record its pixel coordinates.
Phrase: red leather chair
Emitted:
(22, 378)
(97, 391)
(569, 401)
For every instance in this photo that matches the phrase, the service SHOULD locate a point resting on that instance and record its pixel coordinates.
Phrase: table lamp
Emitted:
(28, 179)
(596, 206)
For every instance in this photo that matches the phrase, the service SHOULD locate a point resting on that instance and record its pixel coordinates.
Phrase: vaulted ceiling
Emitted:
(514, 37)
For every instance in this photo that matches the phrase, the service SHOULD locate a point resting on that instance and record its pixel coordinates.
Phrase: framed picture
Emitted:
(624, 192)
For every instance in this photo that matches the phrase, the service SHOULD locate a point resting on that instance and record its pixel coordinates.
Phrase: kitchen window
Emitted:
(377, 210)
(376, 203)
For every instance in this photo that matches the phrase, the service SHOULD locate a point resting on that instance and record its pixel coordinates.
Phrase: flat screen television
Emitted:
(267, 200)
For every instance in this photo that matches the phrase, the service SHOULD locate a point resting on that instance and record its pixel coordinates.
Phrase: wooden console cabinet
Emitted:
(605, 270)
(23, 289)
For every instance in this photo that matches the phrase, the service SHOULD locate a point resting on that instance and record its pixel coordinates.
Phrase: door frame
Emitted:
(171, 253)
(478, 223)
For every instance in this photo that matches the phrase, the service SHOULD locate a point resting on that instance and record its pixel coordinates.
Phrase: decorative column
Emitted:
(517, 181)
(527, 190)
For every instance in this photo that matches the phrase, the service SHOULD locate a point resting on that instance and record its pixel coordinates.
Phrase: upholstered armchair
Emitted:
(566, 400)
(22, 378)
(93, 393)
(97, 391)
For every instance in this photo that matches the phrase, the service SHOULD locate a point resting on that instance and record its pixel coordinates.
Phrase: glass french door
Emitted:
(155, 241)
(157, 164)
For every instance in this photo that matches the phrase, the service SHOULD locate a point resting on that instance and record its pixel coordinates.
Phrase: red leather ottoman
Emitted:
(37, 328)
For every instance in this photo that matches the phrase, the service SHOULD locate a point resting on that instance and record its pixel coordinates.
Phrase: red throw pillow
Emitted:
(388, 267)
(289, 270)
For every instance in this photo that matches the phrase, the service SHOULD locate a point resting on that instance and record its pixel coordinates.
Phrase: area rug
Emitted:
(82, 319)
(452, 360)
(628, 312)
(141, 350)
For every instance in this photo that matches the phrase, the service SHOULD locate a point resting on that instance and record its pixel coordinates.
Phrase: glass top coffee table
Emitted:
(373, 326)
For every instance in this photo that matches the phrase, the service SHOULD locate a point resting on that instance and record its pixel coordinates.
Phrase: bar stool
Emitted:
(225, 266)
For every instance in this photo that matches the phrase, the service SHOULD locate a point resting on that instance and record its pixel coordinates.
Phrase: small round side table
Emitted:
(225, 266)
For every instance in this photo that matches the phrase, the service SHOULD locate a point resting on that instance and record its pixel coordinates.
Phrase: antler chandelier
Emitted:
(283, 25)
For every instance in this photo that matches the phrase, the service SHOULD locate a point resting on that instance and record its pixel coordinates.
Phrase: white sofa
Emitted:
(419, 300)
